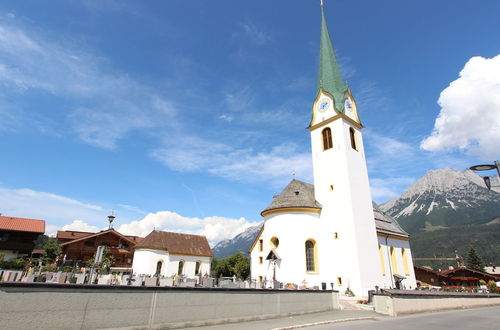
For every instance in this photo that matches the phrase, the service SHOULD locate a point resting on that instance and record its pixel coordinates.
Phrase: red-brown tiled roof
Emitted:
(109, 231)
(176, 243)
(22, 224)
(71, 234)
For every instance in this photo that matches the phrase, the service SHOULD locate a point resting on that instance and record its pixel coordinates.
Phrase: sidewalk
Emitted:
(298, 321)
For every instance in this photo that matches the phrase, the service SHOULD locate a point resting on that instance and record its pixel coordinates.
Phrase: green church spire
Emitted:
(329, 77)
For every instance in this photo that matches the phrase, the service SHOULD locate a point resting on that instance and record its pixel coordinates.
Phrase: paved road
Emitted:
(476, 319)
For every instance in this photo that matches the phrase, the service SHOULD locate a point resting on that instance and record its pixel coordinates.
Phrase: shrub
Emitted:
(18, 263)
(492, 286)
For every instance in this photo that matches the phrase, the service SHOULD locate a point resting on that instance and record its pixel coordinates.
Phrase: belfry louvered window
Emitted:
(310, 256)
(352, 133)
(327, 138)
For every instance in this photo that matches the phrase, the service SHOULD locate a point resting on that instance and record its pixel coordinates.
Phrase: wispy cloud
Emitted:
(244, 165)
(113, 103)
(254, 32)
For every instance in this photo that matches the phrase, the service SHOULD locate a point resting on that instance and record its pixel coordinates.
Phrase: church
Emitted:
(330, 234)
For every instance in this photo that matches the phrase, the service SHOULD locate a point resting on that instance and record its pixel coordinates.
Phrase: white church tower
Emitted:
(340, 174)
(330, 234)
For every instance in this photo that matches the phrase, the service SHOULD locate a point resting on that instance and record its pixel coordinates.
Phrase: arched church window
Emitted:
(197, 268)
(405, 261)
(159, 264)
(275, 242)
(352, 133)
(327, 138)
(181, 267)
(310, 256)
(394, 261)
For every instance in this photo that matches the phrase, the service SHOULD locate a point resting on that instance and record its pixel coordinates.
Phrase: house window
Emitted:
(261, 279)
(405, 262)
(88, 243)
(159, 264)
(381, 256)
(394, 261)
(275, 242)
(327, 138)
(197, 268)
(331, 187)
(336, 235)
(261, 260)
(261, 245)
(181, 267)
(4, 237)
(339, 281)
(352, 133)
(310, 256)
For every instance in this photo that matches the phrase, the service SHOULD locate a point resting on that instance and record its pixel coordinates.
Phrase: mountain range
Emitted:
(444, 211)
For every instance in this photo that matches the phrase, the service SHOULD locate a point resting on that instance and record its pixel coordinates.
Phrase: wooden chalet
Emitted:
(78, 247)
(465, 277)
(17, 236)
(427, 277)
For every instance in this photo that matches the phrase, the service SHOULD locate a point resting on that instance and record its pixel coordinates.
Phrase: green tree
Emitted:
(235, 265)
(474, 261)
(51, 250)
(104, 265)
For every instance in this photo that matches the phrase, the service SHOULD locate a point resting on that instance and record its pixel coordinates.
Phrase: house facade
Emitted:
(79, 247)
(17, 236)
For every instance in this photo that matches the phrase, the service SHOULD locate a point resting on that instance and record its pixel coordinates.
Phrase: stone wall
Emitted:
(70, 306)
(398, 302)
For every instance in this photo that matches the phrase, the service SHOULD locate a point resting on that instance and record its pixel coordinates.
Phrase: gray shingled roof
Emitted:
(387, 224)
(301, 194)
(296, 194)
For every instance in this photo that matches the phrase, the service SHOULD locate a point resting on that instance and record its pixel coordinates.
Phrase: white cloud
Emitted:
(214, 228)
(226, 117)
(469, 119)
(55, 209)
(79, 225)
(244, 165)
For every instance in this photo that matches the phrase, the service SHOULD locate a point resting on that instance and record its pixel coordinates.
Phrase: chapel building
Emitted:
(330, 234)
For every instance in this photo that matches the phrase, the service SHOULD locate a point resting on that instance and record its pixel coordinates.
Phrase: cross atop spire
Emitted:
(329, 77)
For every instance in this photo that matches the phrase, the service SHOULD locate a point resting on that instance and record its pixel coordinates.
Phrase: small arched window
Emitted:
(197, 268)
(181, 267)
(352, 133)
(159, 264)
(327, 138)
(275, 242)
(310, 256)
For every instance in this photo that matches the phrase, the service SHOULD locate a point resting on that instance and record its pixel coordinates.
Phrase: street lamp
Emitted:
(487, 167)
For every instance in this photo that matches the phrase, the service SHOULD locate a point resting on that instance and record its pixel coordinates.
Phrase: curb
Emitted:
(325, 322)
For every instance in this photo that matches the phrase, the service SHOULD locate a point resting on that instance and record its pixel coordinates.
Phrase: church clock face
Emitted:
(349, 106)
(323, 105)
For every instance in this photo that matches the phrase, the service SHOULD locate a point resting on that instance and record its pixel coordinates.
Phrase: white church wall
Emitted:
(146, 260)
(189, 265)
(399, 267)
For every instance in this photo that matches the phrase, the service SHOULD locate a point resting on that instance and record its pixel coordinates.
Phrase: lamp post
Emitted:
(487, 167)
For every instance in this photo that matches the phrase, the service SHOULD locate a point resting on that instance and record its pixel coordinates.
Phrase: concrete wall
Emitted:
(409, 304)
(43, 306)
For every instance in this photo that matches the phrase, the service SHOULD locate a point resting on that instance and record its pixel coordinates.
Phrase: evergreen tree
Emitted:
(474, 261)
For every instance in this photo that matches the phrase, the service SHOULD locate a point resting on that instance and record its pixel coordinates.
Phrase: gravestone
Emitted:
(207, 282)
(168, 281)
(62, 278)
(150, 281)
(136, 281)
(80, 278)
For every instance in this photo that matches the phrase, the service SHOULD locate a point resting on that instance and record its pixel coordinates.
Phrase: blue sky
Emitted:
(191, 115)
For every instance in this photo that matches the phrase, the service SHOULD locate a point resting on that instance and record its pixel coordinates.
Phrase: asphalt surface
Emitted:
(477, 319)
